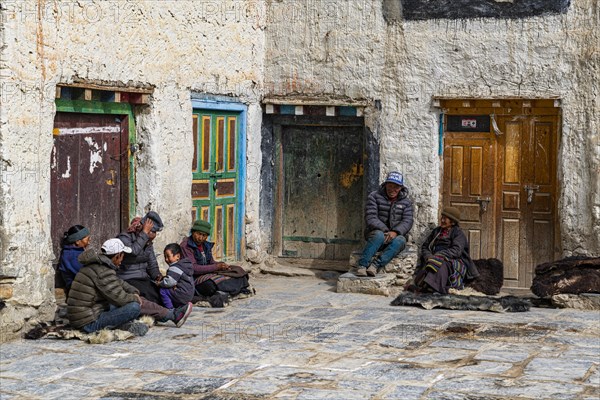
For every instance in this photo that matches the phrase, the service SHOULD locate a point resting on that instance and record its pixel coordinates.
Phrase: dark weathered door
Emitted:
(322, 191)
(527, 195)
(469, 186)
(86, 175)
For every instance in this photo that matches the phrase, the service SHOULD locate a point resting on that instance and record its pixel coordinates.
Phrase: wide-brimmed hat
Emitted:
(395, 177)
(453, 213)
(201, 225)
(114, 246)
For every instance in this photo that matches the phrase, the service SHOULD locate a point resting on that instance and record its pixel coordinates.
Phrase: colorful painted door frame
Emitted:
(211, 177)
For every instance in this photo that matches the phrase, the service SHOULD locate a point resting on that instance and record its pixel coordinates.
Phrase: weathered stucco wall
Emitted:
(178, 48)
(347, 49)
(336, 50)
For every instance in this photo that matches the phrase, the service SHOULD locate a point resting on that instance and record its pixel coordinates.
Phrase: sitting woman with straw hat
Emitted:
(445, 262)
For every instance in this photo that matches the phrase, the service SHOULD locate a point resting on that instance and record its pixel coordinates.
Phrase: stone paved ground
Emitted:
(297, 339)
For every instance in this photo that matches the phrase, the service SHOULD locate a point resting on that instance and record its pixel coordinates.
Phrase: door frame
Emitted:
(128, 122)
(214, 103)
(498, 108)
(280, 121)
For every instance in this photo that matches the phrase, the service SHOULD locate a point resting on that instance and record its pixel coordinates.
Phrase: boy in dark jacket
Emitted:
(177, 288)
(388, 218)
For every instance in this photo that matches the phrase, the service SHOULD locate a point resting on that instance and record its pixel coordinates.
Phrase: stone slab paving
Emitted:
(298, 339)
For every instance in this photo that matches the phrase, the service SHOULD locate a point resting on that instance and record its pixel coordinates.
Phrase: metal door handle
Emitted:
(530, 189)
(215, 186)
(483, 203)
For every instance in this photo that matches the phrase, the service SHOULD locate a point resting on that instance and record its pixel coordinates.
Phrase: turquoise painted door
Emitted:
(215, 178)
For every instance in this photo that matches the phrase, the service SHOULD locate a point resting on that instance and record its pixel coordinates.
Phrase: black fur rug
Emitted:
(491, 276)
(458, 302)
(572, 275)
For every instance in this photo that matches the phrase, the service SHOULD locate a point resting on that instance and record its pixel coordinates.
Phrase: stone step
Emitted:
(378, 285)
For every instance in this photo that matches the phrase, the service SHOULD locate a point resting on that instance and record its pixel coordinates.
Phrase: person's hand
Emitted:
(389, 236)
(138, 299)
(147, 227)
(222, 266)
(159, 278)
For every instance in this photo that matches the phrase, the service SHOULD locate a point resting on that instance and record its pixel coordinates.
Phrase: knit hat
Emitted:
(158, 224)
(201, 226)
(114, 246)
(80, 234)
(453, 213)
(395, 177)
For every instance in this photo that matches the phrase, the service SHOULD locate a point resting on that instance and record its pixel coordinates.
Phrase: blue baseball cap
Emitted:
(395, 177)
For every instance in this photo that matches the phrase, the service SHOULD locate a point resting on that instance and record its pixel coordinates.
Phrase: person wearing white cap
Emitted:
(100, 299)
(388, 218)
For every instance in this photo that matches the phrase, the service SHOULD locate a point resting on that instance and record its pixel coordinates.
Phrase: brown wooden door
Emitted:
(469, 169)
(88, 173)
(322, 191)
(526, 195)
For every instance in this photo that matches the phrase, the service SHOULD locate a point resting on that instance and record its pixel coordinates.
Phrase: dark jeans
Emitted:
(375, 243)
(114, 317)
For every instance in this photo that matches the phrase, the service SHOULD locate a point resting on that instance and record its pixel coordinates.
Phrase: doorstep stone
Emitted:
(586, 301)
(378, 285)
(402, 266)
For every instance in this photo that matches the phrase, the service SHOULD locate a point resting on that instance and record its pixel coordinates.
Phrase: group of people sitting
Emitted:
(111, 288)
(445, 261)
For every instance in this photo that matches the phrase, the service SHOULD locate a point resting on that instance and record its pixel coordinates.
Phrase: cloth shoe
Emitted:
(361, 271)
(219, 299)
(372, 270)
(180, 314)
(137, 328)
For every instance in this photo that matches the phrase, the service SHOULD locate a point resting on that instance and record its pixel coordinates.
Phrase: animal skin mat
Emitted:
(44, 330)
(459, 302)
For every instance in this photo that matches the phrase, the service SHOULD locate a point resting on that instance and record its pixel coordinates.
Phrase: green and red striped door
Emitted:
(215, 177)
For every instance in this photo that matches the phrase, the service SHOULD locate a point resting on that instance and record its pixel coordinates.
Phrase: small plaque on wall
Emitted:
(468, 123)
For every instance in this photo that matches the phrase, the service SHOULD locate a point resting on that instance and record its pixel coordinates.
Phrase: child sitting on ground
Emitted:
(177, 287)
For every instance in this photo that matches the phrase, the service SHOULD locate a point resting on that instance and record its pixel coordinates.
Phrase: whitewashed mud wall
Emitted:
(181, 47)
(346, 50)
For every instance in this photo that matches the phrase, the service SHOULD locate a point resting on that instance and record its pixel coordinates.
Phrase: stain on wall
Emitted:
(461, 9)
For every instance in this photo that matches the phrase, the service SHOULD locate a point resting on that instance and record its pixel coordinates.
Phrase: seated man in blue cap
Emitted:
(388, 218)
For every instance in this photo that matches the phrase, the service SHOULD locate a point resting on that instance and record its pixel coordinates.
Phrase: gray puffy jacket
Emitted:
(381, 215)
(141, 263)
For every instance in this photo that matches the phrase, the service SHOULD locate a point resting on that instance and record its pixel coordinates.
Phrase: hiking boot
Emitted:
(137, 328)
(180, 314)
(372, 270)
(361, 271)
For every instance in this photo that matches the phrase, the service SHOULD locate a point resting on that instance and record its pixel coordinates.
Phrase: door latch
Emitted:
(530, 190)
(483, 203)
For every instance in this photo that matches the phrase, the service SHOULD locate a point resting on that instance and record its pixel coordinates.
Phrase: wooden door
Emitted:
(88, 174)
(469, 168)
(215, 183)
(322, 191)
(526, 195)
